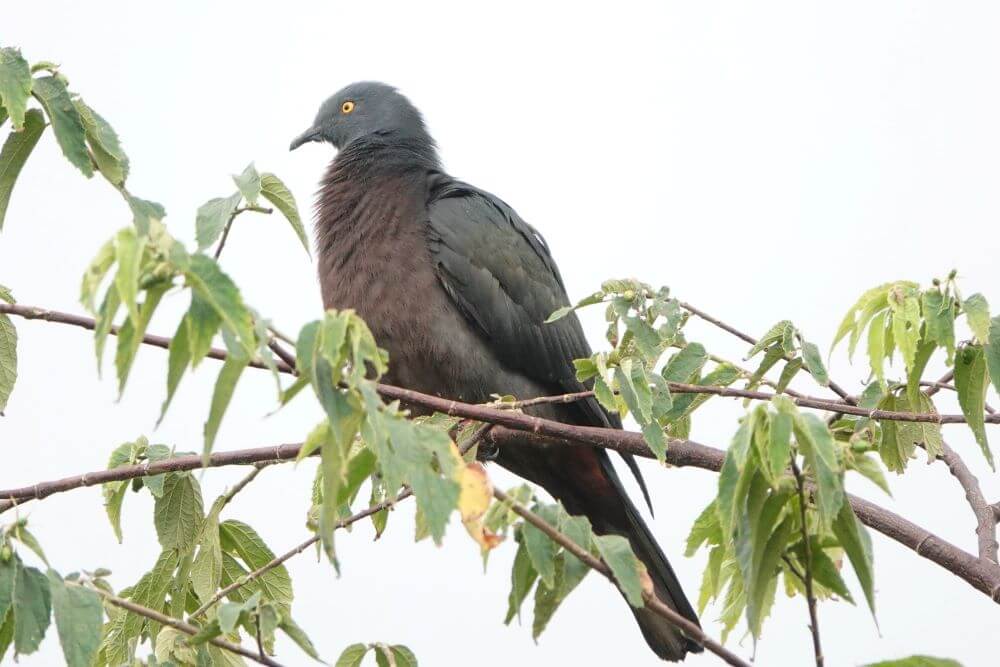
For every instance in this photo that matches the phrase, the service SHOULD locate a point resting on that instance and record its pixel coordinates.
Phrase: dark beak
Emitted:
(312, 134)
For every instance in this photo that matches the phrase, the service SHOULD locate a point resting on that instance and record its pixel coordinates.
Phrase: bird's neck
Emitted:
(371, 192)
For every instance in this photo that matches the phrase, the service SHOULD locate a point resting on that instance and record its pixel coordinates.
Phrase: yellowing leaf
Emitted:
(474, 497)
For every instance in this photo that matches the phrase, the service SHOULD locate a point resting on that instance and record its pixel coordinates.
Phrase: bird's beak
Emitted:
(312, 134)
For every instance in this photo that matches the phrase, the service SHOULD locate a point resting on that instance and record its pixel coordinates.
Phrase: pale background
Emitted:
(766, 160)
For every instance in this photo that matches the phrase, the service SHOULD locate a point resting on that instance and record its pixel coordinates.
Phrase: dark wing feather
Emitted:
(498, 270)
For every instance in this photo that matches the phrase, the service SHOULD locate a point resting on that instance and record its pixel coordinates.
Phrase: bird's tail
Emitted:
(615, 514)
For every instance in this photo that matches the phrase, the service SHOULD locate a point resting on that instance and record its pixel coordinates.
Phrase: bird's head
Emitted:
(364, 109)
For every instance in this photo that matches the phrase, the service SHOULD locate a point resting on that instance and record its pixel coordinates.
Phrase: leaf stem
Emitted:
(807, 565)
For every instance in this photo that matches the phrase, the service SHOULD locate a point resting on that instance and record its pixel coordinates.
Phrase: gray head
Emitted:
(364, 109)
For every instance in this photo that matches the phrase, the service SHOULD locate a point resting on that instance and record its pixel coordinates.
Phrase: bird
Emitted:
(457, 288)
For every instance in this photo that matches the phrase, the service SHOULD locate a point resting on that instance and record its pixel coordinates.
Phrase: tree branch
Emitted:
(287, 365)
(179, 625)
(985, 519)
(229, 224)
(691, 630)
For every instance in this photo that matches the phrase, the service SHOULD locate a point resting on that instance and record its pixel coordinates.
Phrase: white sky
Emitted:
(766, 160)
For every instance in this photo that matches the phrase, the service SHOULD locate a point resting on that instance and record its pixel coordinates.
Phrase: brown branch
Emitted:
(985, 519)
(983, 576)
(807, 579)
(287, 365)
(690, 629)
(179, 625)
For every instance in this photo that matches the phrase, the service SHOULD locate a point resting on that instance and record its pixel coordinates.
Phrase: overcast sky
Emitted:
(766, 160)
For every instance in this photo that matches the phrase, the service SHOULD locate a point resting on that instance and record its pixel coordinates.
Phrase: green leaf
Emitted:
(814, 363)
(992, 353)
(104, 145)
(897, 445)
(826, 572)
(15, 85)
(775, 334)
(686, 364)
(216, 289)
(939, 320)
(977, 313)
(626, 568)
(206, 570)
(541, 550)
(917, 661)
(877, 345)
(298, 635)
(178, 359)
(971, 381)
(32, 608)
(14, 154)
(278, 194)
(854, 538)
(706, 528)
(212, 218)
(6, 295)
(128, 250)
(66, 121)
(3, 119)
(8, 360)
(905, 307)
(144, 213)
(559, 313)
(78, 613)
(249, 183)
(870, 468)
(8, 575)
(6, 632)
(788, 374)
(242, 540)
(817, 445)
(178, 514)
(522, 577)
(352, 655)
(769, 558)
(914, 375)
(20, 533)
(130, 334)
(404, 657)
(779, 443)
(225, 384)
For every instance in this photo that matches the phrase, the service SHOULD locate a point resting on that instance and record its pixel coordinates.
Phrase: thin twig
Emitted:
(690, 629)
(229, 224)
(227, 497)
(834, 387)
(986, 529)
(178, 624)
(807, 565)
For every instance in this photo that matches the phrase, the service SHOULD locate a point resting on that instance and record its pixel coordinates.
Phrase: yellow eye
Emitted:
(347, 107)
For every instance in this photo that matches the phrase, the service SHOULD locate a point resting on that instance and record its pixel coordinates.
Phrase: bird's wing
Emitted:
(498, 270)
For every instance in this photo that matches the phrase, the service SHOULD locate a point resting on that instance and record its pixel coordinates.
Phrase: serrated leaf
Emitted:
(14, 154)
(131, 333)
(144, 213)
(15, 85)
(240, 539)
(298, 635)
(939, 320)
(8, 360)
(817, 445)
(66, 122)
(217, 290)
(78, 613)
(178, 514)
(686, 364)
(854, 538)
(404, 657)
(249, 184)
(827, 573)
(706, 528)
(971, 382)
(275, 191)
(206, 570)
(626, 568)
(6, 295)
(522, 577)
(541, 550)
(775, 334)
(814, 363)
(178, 359)
(992, 353)
(32, 608)
(212, 218)
(905, 307)
(20, 533)
(977, 313)
(870, 468)
(352, 655)
(104, 145)
(225, 385)
(175, 647)
(779, 443)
